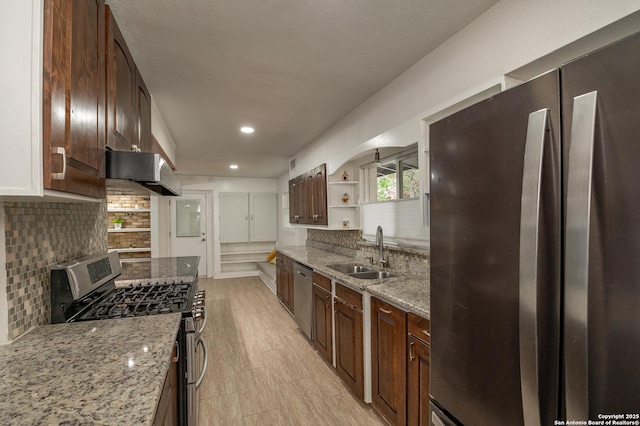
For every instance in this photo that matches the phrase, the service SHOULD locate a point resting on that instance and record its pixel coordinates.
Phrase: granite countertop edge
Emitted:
(86, 372)
(405, 291)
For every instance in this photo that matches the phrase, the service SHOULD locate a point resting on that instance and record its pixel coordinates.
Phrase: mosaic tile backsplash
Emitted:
(38, 236)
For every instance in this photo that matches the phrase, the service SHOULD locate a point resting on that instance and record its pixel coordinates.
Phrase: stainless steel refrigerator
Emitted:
(535, 249)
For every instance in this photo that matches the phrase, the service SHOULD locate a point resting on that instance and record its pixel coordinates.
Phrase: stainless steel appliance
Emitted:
(535, 282)
(85, 290)
(302, 297)
(140, 173)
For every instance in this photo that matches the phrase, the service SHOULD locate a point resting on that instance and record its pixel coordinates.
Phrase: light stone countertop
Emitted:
(406, 291)
(91, 373)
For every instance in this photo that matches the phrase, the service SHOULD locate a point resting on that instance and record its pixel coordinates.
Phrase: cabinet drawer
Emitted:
(322, 281)
(419, 327)
(352, 297)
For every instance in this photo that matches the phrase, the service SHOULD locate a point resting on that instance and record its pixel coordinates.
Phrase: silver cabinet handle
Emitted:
(427, 332)
(204, 319)
(577, 254)
(204, 363)
(58, 150)
(435, 419)
(528, 283)
(384, 310)
(177, 357)
(411, 353)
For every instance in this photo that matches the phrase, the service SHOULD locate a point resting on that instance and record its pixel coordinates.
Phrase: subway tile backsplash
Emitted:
(37, 236)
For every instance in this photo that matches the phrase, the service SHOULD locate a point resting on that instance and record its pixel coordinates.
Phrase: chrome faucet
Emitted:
(379, 244)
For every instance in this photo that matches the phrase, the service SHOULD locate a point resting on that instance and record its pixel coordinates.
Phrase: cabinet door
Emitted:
(263, 218)
(143, 115)
(322, 323)
(234, 217)
(73, 97)
(294, 212)
(310, 202)
(348, 345)
(279, 276)
(319, 195)
(121, 83)
(288, 285)
(418, 382)
(388, 360)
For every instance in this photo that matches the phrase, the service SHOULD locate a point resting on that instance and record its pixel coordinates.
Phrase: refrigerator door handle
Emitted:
(577, 255)
(528, 285)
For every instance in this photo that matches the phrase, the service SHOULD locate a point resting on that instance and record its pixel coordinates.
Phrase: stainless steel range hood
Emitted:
(139, 173)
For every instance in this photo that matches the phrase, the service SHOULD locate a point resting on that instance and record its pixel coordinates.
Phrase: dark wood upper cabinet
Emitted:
(388, 361)
(121, 89)
(143, 115)
(308, 197)
(293, 199)
(319, 196)
(74, 96)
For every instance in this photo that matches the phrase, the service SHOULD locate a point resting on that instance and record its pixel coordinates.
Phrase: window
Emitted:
(395, 177)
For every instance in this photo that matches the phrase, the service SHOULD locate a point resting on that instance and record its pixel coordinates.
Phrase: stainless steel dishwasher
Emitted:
(302, 297)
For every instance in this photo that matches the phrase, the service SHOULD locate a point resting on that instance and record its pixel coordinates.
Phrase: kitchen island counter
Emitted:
(93, 372)
(407, 291)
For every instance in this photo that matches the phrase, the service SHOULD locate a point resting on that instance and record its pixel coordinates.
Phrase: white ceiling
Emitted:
(289, 68)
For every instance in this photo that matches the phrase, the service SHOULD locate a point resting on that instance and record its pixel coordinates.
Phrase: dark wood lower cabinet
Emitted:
(418, 360)
(349, 339)
(284, 280)
(167, 410)
(322, 322)
(418, 363)
(388, 361)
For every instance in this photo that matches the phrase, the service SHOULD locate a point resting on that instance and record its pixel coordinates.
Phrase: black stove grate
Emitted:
(140, 300)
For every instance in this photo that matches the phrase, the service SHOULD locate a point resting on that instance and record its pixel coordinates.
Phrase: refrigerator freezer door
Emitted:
(602, 320)
(477, 160)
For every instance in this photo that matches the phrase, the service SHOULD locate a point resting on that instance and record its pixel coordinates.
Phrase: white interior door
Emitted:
(189, 228)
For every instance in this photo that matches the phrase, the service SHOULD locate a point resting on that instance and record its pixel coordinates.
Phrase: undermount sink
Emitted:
(349, 269)
(373, 275)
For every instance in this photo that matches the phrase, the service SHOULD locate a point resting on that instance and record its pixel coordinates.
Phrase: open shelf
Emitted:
(129, 230)
(127, 210)
(130, 250)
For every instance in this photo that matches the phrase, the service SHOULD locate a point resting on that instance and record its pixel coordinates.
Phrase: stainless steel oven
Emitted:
(87, 289)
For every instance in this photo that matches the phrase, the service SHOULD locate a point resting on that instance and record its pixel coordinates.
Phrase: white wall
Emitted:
(213, 186)
(161, 133)
(518, 37)
(508, 36)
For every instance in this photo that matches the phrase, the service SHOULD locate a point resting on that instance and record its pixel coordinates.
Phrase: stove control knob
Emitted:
(198, 311)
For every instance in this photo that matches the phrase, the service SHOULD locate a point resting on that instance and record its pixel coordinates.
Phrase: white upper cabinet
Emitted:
(248, 217)
(263, 219)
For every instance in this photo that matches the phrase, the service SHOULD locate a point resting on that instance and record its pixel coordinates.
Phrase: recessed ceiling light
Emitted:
(233, 166)
(247, 129)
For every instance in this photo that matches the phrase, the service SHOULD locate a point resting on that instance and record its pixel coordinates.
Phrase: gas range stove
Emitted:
(87, 290)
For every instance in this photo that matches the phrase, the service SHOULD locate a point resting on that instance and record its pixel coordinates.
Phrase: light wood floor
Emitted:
(261, 369)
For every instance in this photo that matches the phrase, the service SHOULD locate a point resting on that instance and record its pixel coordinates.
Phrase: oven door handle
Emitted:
(204, 320)
(204, 364)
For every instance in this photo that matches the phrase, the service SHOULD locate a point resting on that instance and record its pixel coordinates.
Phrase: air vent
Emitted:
(292, 164)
